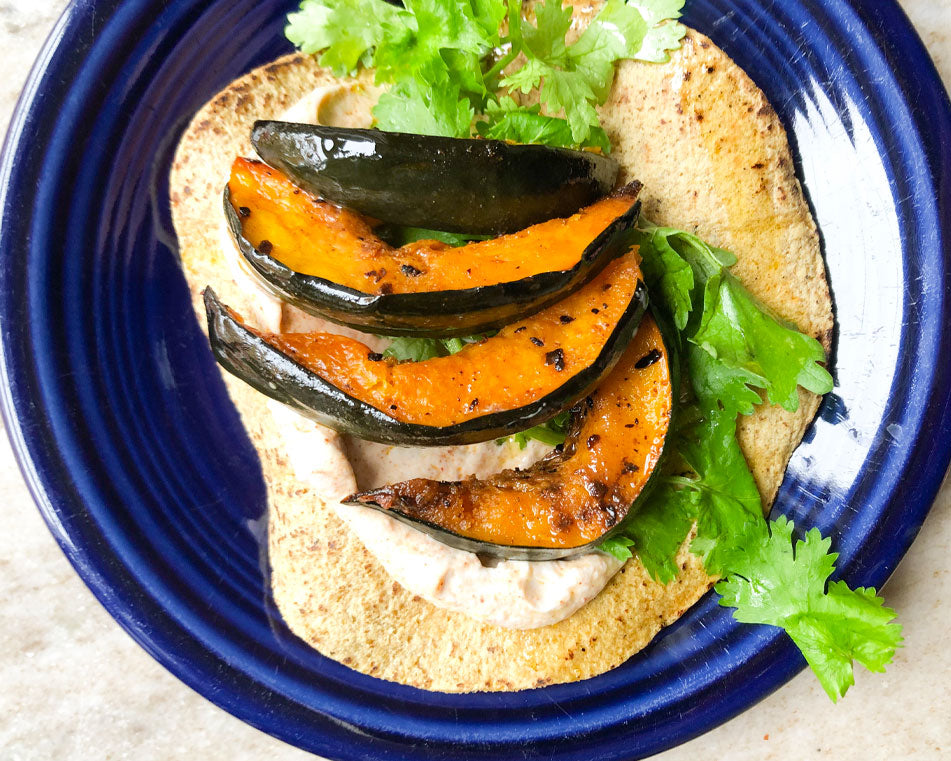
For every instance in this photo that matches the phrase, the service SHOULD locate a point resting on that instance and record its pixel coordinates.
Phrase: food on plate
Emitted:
(496, 386)
(575, 497)
(328, 260)
(730, 256)
(464, 185)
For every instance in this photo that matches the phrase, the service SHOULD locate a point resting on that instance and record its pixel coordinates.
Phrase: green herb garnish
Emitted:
(407, 349)
(412, 234)
(551, 433)
(734, 350)
(449, 63)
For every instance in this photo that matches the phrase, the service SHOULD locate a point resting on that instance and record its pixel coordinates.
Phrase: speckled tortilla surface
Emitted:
(714, 159)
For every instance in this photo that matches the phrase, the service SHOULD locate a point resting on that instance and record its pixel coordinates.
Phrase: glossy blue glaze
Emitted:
(144, 474)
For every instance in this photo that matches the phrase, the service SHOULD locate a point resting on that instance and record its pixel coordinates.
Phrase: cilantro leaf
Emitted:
(545, 40)
(411, 234)
(666, 271)
(310, 28)
(407, 349)
(489, 14)
(777, 582)
(663, 35)
(345, 31)
(616, 32)
(416, 105)
(677, 265)
(717, 385)
(707, 261)
(657, 11)
(439, 25)
(526, 124)
(619, 546)
(525, 79)
(464, 68)
(570, 92)
(738, 331)
(657, 531)
(552, 432)
(845, 625)
(523, 126)
(659, 41)
(749, 347)
(719, 495)
(728, 502)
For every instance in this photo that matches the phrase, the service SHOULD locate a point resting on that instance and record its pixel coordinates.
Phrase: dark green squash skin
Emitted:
(441, 183)
(515, 552)
(273, 373)
(435, 314)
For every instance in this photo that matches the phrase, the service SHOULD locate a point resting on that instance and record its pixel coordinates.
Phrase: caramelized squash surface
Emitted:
(574, 497)
(312, 237)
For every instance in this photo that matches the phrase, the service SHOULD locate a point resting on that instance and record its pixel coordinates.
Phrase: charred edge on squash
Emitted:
(249, 357)
(436, 313)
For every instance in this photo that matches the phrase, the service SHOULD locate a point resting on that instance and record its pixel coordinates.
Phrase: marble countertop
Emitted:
(75, 686)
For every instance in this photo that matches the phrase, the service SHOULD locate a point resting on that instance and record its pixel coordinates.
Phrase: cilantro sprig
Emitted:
(735, 351)
(572, 78)
(455, 67)
(777, 580)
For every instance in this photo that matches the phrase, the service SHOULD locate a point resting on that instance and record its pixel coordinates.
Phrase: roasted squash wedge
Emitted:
(571, 500)
(328, 261)
(527, 373)
(442, 183)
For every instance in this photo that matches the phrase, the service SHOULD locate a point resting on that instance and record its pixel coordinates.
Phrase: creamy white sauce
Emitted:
(515, 594)
(511, 593)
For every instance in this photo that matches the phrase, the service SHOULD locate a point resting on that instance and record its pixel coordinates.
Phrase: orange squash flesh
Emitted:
(572, 497)
(347, 251)
(522, 364)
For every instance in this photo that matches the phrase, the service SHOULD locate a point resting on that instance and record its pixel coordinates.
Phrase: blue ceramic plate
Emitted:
(144, 474)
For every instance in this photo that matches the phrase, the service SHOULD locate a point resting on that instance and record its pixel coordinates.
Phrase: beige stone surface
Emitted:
(74, 686)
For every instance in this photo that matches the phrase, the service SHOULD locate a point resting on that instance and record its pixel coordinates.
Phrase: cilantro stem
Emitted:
(454, 345)
(545, 435)
(504, 61)
(515, 23)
